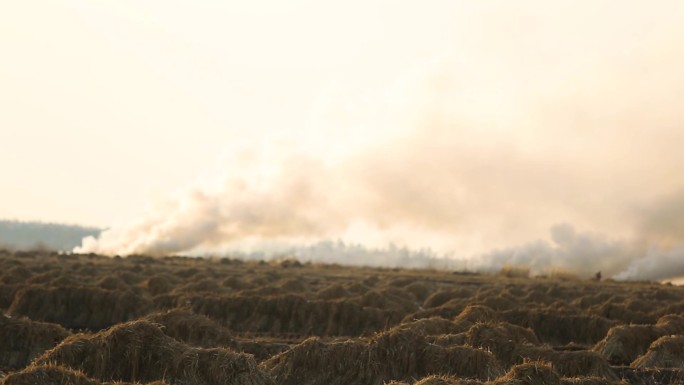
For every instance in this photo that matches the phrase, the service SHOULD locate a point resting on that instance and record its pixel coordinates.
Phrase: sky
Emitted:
(547, 133)
(113, 101)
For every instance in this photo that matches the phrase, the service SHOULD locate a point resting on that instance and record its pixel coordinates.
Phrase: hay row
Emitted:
(192, 329)
(555, 327)
(389, 298)
(7, 293)
(512, 345)
(250, 307)
(441, 297)
(294, 314)
(48, 375)
(623, 313)
(665, 352)
(421, 348)
(448, 310)
(504, 340)
(21, 340)
(56, 375)
(198, 330)
(139, 351)
(645, 376)
(529, 373)
(624, 343)
(399, 354)
(79, 307)
(571, 364)
(15, 275)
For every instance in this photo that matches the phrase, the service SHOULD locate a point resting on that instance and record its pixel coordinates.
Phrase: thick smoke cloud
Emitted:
(471, 154)
(582, 253)
(262, 194)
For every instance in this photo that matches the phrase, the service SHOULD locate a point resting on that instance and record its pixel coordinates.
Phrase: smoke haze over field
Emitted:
(470, 155)
(539, 134)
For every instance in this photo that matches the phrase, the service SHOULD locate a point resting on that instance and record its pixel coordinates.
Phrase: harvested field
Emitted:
(140, 352)
(561, 327)
(401, 354)
(79, 307)
(624, 343)
(57, 375)
(92, 320)
(23, 340)
(192, 329)
(665, 352)
(49, 375)
(294, 314)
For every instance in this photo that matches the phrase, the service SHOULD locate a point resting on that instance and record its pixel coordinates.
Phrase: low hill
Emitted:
(19, 235)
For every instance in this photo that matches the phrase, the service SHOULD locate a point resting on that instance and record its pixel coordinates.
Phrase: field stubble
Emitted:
(89, 319)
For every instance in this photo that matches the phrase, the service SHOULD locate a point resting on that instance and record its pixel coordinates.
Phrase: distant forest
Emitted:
(18, 235)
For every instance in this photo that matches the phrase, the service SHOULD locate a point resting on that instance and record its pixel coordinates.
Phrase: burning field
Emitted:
(90, 319)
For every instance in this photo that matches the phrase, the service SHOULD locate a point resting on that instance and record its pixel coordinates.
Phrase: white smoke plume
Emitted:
(487, 147)
(586, 253)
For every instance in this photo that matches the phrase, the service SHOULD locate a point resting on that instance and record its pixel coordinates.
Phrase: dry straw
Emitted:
(294, 314)
(556, 327)
(624, 343)
(48, 375)
(510, 271)
(573, 363)
(79, 307)
(503, 339)
(333, 291)
(21, 340)
(477, 313)
(531, 373)
(140, 351)
(57, 375)
(402, 353)
(665, 352)
(192, 329)
(198, 330)
(161, 284)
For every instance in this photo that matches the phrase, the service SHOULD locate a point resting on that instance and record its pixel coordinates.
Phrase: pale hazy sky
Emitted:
(104, 104)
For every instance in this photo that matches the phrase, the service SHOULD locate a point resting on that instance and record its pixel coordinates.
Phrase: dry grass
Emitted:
(556, 327)
(192, 329)
(399, 354)
(530, 373)
(441, 297)
(510, 271)
(7, 293)
(410, 352)
(624, 343)
(503, 339)
(375, 325)
(48, 375)
(160, 284)
(622, 312)
(57, 375)
(140, 352)
(665, 352)
(72, 307)
(573, 363)
(294, 314)
(21, 340)
(334, 291)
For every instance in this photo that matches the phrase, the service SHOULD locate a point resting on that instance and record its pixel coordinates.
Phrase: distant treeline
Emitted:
(18, 235)
(339, 252)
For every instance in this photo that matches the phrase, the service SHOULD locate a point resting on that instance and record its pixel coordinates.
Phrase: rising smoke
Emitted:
(478, 155)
